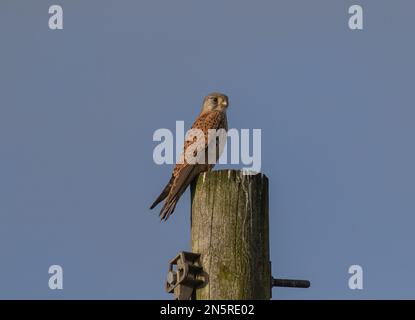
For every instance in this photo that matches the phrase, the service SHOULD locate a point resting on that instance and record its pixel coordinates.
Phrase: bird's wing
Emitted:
(184, 173)
(205, 121)
(164, 193)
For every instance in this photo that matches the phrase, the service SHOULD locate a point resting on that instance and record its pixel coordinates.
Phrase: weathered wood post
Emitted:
(230, 229)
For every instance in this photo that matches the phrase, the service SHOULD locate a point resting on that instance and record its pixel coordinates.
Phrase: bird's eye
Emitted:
(215, 100)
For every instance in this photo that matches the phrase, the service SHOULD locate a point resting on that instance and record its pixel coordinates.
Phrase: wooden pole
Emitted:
(229, 228)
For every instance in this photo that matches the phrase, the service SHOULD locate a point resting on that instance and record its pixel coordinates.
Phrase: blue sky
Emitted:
(78, 108)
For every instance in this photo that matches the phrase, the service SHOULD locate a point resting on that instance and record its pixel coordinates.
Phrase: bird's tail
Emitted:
(163, 194)
(176, 191)
(168, 208)
(170, 204)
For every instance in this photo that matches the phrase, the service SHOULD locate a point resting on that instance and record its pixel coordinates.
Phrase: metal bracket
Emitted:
(182, 275)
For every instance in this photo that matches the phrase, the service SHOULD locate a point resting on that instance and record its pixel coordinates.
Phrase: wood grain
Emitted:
(230, 228)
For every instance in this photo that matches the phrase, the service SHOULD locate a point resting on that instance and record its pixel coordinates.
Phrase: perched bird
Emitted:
(212, 116)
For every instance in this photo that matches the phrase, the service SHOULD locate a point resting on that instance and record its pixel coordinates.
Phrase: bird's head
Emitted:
(215, 101)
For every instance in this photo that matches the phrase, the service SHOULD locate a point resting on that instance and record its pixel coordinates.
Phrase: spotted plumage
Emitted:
(212, 116)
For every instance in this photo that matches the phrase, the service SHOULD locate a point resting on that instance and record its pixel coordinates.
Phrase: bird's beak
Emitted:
(225, 103)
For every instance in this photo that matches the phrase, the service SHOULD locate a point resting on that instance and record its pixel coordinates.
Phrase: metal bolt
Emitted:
(290, 283)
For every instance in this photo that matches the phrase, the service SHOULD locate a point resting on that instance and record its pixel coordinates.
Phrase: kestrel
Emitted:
(212, 116)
